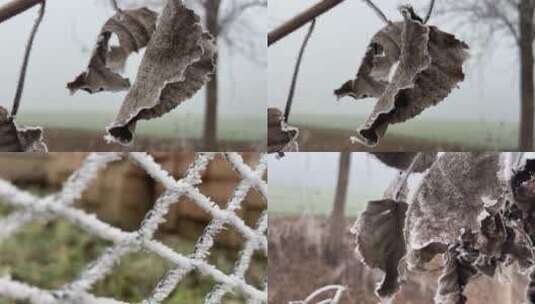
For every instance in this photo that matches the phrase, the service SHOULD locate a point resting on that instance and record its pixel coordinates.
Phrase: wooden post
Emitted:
(16, 7)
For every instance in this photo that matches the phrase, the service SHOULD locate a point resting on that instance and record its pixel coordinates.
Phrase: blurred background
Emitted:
(62, 49)
(50, 254)
(314, 200)
(483, 113)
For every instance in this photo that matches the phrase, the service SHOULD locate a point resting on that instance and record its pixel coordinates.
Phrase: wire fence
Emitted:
(30, 208)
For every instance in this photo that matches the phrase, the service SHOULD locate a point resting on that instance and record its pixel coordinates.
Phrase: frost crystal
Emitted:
(33, 208)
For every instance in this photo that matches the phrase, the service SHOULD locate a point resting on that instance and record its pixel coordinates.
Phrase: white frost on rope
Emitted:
(339, 290)
(32, 208)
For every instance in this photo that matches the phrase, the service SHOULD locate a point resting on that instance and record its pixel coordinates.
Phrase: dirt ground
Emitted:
(319, 139)
(296, 269)
(59, 140)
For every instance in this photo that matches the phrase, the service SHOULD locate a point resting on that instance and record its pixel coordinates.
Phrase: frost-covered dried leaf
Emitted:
(457, 272)
(426, 64)
(530, 291)
(523, 186)
(493, 235)
(281, 137)
(133, 29)
(19, 139)
(373, 74)
(402, 160)
(179, 60)
(380, 240)
(449, 198)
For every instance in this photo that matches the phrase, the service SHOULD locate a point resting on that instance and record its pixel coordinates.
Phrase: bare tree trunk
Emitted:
(210, 117)
(334, 244)
(526, 10)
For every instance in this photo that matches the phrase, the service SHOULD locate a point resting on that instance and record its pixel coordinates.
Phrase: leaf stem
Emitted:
(429, 11)
(24, 67)
(378, 11)
(406, 174)
(291, 93)
(116, 6)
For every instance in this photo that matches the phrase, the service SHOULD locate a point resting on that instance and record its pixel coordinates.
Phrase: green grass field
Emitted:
(48, 255)
(471, 134)
(173, 125)
(288, 200)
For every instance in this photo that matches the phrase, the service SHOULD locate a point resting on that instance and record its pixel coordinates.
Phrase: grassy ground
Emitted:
(171, 126)
(84, 131)
(288, 200)
(331, 133)
(49, 255)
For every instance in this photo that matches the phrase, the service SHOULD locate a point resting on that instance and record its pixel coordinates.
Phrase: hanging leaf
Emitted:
(402, 160)
(530, 291)
(179, 60)
(281, 137)
(15, 139)
(426, 64)
(134, 29)
(458, 270)
(382, 54)
(380, 240)
(450, 197)
(493, 234)
(523, 186)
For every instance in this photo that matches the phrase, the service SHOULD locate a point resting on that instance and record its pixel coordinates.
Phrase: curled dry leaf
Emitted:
(17, 139)
(458, 270)
(402, 160)
(380, 241)
(449, 198)
(523, 188)
(134, 29)
(178, 61)
(426, 64)
(281, 137)
(530, 291)
(493, 235)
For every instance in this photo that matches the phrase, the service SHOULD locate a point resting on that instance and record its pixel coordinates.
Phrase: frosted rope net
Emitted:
(30, 208)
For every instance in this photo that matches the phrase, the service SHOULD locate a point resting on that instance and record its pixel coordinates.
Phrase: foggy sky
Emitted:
(62, 49)
(319, 171)
(311, 172)
(489, 93)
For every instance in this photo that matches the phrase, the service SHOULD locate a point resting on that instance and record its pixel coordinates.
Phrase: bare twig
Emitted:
(24, 67)
(429, 11)
(116, 6)
(303, 18)
(289, 101)
(519, 156)
(406, 175)
(377, 11)
(16, 7)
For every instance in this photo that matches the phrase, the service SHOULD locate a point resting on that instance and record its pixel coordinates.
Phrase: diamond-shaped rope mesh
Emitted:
(30, 208)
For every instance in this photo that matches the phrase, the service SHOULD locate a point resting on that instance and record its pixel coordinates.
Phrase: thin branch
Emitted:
(377, 11)
(430, 11)
(236, 12)
(289, 101)
(22, 75)
(301, 19)
(406, 175)
(116, 6)
(15, 7)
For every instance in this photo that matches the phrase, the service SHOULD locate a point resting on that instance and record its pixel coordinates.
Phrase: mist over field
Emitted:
(305, 182)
